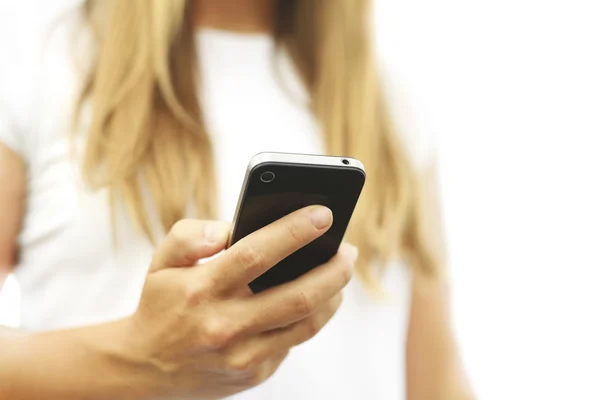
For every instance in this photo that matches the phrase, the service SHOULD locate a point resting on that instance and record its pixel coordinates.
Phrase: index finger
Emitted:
(258, 252)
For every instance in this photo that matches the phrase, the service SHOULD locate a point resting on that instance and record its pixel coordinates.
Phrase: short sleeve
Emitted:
(9, 97)
(17, 52)
(9, 132)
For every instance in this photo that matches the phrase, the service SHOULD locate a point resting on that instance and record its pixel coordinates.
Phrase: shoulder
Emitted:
(32, 44)
(17, 44)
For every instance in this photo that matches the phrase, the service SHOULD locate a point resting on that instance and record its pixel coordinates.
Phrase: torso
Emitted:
(71, 274)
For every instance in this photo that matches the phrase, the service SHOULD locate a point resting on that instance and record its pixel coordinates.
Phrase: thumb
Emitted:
(189, 241)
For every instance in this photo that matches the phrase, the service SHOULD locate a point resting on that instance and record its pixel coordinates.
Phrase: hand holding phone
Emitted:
(277, 184)
(197, 328)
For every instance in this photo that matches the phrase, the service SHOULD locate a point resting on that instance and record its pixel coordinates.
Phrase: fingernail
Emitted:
(320, 217)
(215, 232)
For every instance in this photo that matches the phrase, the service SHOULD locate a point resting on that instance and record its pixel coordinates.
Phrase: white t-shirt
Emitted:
(71, 275)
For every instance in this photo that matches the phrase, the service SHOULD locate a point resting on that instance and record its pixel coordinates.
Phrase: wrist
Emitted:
(129, 373)
(92, 362)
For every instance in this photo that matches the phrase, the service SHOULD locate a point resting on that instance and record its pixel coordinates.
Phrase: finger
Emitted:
(254, 351)
(274, 363)
(303, 330)
(189, 241)
(256, 253)
(266, 369)
(283, 305)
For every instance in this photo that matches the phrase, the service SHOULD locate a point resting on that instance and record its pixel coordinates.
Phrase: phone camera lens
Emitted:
(345, 162)
(267, 176)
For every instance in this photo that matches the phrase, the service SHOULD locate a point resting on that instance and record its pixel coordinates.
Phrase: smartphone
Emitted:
(277, 184)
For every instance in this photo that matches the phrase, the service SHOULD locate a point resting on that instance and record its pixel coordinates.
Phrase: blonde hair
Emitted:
(147, 122)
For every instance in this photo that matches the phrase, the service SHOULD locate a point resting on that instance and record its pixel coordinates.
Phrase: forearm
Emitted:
(444, 380)
(434, 366)
(458, 385)
(85, 363)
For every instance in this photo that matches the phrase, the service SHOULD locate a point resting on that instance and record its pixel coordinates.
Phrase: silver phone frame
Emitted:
(290, 158)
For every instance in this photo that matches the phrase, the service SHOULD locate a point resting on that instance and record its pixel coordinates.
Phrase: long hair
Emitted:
(147, 121)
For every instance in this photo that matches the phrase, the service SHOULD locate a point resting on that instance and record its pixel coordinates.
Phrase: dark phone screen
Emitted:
(296, 186)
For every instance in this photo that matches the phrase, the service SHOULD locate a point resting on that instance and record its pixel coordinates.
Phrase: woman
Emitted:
(174, 99)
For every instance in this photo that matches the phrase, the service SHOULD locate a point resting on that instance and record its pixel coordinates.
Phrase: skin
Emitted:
(247, 16)
(198, 333)
(434, 369)
(239, 341)
(12, 197)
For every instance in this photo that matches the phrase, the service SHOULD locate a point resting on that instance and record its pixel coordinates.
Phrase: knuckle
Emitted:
(343, 271)
(244, 361)
(303, 305)
(166, 366)
(215, 340)
(266, 369)
(196, 293)
(337, 301)
(190, 293)
(294, 231)
(242, 327)
(311, 328)
(204, 286)
(217, 334)
(179, 233)
(236, 364)
(248, 257)
(346, 274)
(258, 377)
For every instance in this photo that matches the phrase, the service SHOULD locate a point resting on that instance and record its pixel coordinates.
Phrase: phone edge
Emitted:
(308, 159)
(302, 159)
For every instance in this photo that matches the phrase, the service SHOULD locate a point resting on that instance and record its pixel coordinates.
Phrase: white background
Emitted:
(512, 90)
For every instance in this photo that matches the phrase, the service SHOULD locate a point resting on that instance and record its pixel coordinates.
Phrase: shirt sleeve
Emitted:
(9, 132)
(16, 80)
